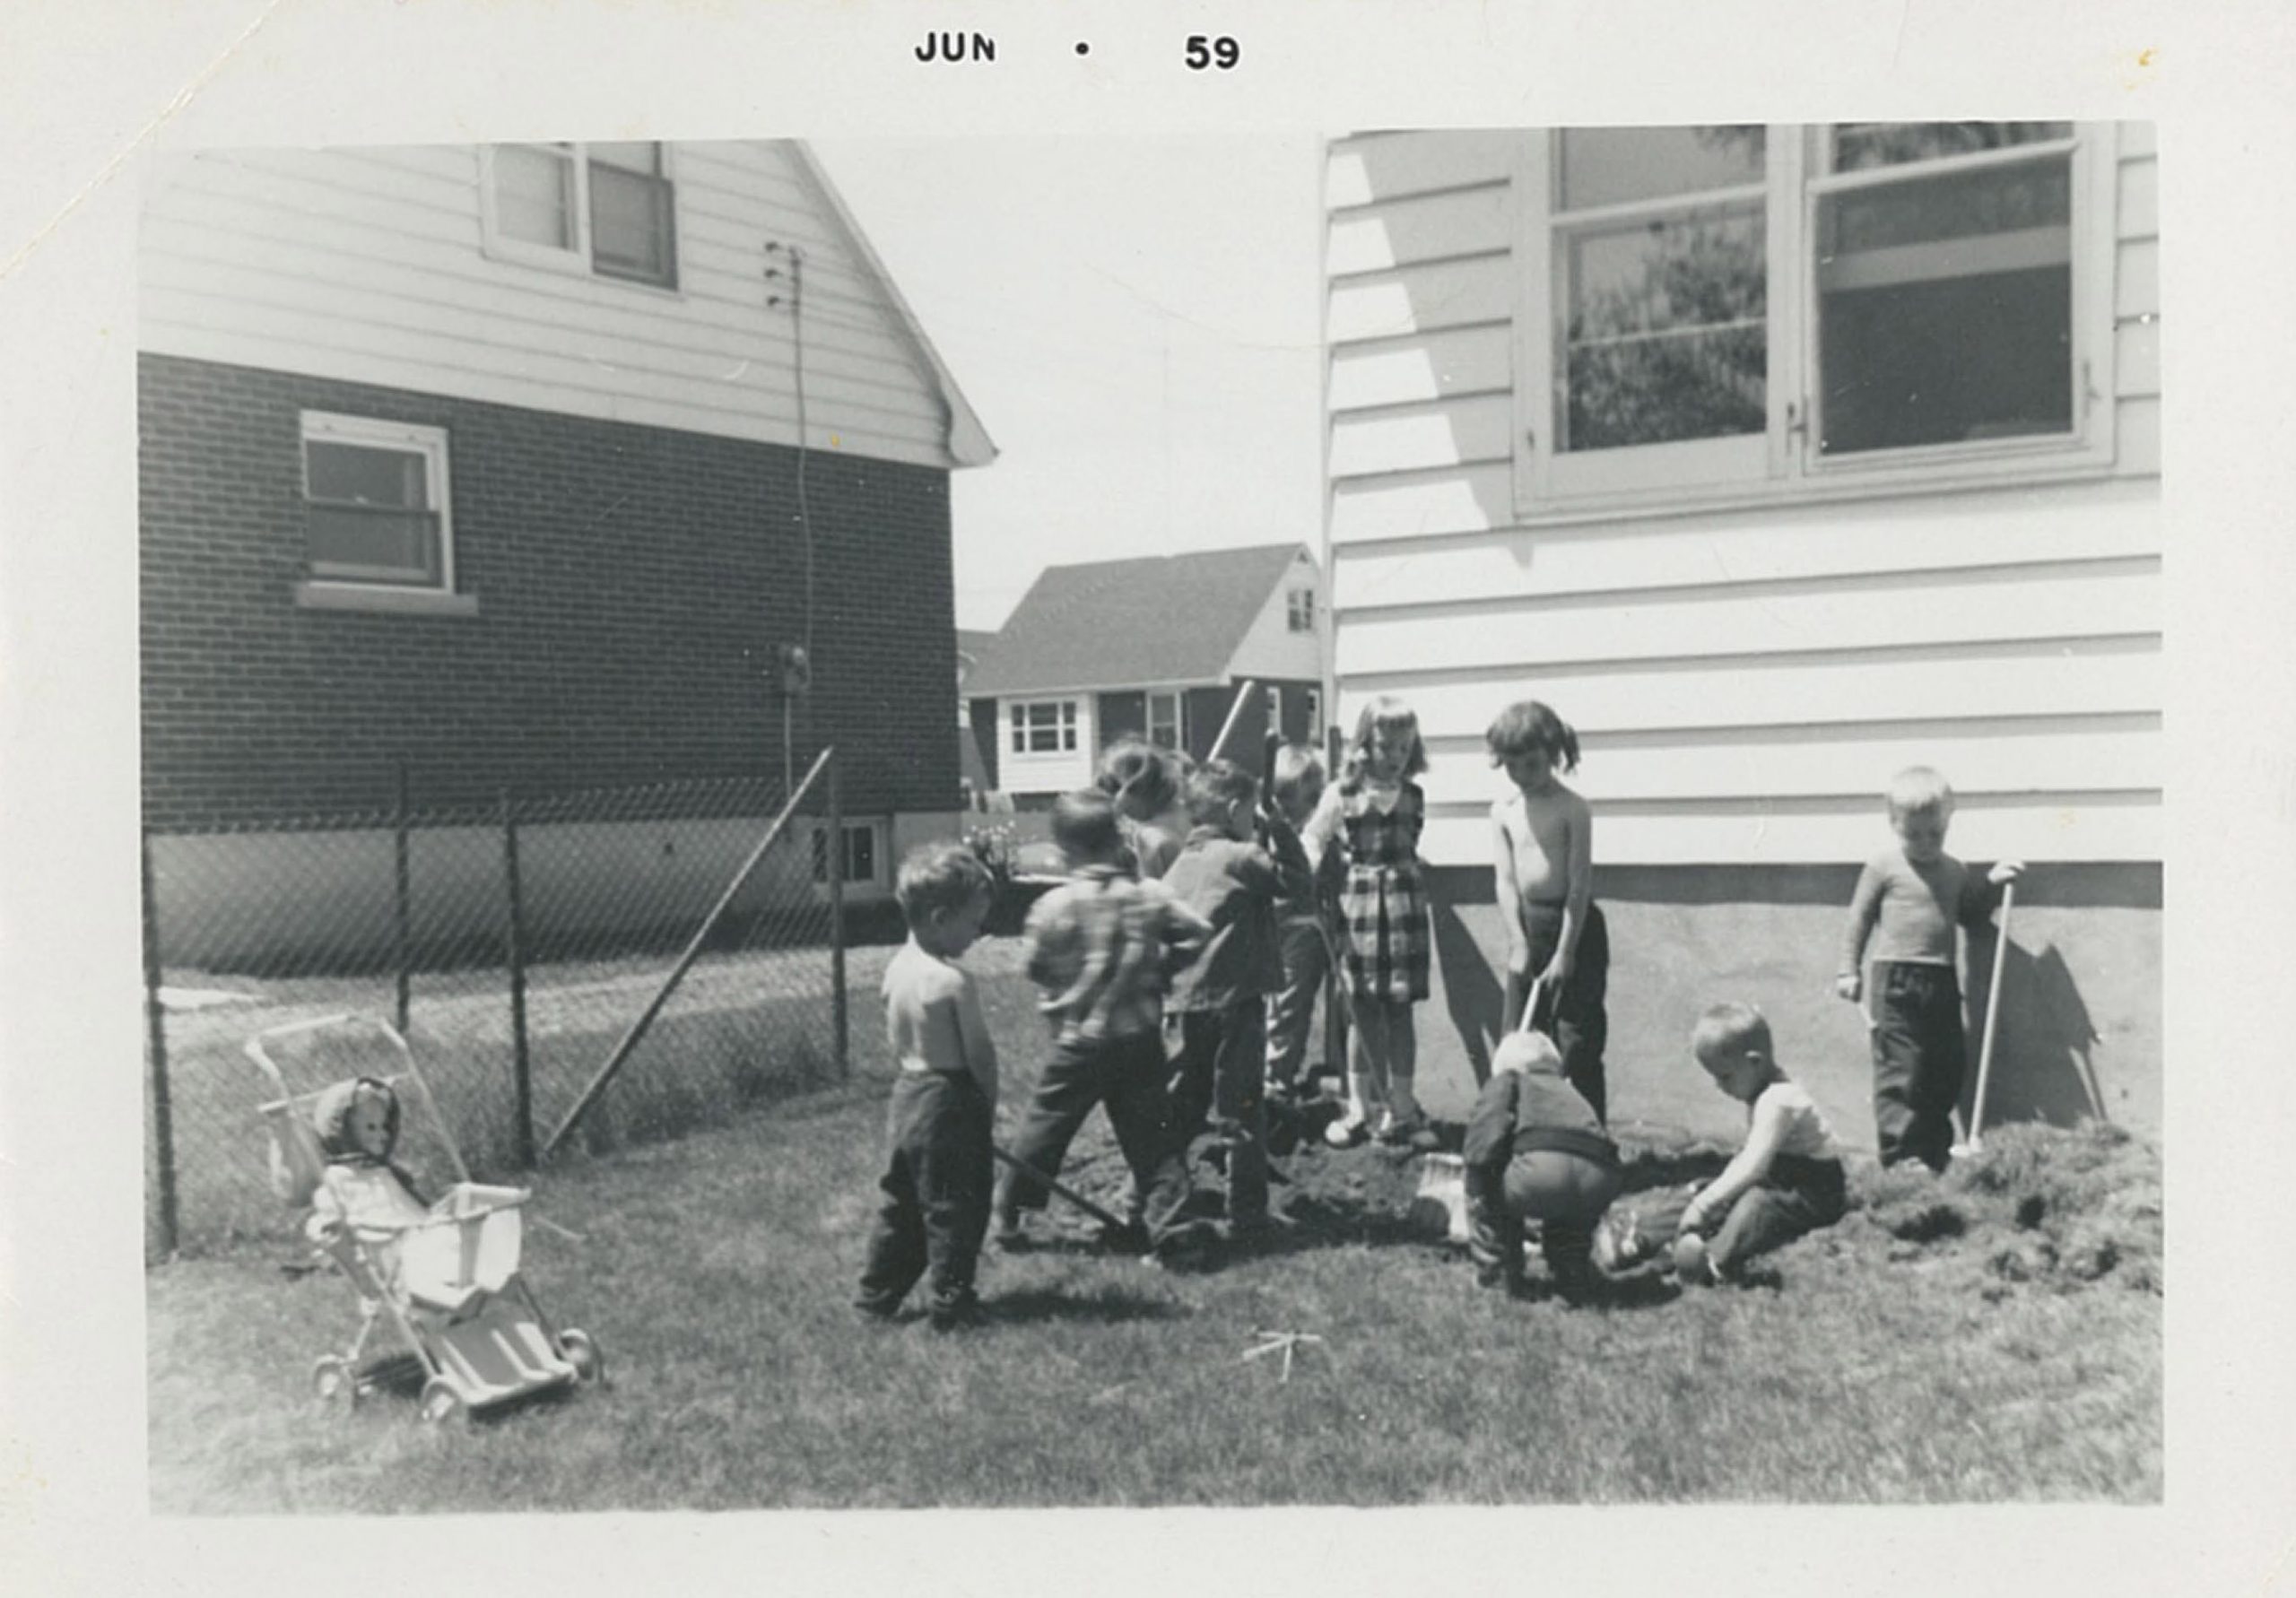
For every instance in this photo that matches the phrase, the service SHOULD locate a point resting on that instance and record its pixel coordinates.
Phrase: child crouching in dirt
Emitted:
(1101, 947)
(1785, 1181)
(939, 1171)
(1536, 1149)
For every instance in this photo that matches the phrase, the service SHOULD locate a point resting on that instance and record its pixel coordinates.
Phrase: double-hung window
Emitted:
(605, 208)
(1167, 719)
(1300, 610)
(375, 506)
(1722, 312)
(1044, 726)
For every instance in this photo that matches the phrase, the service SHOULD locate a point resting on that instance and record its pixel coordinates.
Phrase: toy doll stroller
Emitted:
(447, 1278)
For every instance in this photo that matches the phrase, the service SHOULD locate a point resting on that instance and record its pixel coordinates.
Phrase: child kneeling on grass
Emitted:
(1102, 947)
(1536, 1150)
(1785, 1181)
(939, 1171)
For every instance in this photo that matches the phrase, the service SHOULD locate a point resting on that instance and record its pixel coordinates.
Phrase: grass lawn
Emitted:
(1994, 1336)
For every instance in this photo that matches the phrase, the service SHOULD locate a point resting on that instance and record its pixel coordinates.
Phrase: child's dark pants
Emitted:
(936, 1189)
(1125, 1074)
(1797, 1195)
(1566, 1192)
(1291, 1009)
(1580, 1024)
(1221, 1072)
(1920, 1054)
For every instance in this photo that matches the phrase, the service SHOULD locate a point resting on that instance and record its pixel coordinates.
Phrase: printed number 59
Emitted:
(1203, 52)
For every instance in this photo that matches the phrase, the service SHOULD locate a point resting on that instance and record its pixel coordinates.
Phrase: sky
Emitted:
(1135, 323)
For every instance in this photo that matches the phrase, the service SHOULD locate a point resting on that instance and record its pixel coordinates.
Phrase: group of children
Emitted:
(1179, 967)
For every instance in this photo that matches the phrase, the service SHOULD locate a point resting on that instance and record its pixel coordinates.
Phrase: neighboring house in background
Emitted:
(1153, 647)
(486, 458)
(1776, 459)
(972, 767)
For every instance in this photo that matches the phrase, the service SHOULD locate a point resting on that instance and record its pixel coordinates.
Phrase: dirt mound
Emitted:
(2035, 1204)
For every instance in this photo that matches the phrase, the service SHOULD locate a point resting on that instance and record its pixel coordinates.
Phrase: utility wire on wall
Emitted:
(797, 663)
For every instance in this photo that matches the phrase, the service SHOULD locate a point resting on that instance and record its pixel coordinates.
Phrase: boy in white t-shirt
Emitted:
(1787, 1179)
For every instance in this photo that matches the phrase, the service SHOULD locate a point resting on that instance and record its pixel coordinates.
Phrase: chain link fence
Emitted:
(692, 934)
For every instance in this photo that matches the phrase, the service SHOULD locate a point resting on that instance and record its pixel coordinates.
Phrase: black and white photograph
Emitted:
(1280, 810)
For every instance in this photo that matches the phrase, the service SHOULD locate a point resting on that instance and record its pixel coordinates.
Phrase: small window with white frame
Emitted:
(605, 208)
(1300, 610)
(1274, 697)
(375, 503)
(1044, 726)
(862, 855)
(1313, 731)
(1167, 720)
(1711, 312)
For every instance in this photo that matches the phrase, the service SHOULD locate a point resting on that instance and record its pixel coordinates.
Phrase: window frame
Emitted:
(1783, 461)
(874, 829)
(1020, 728)
(431, 444)
(1177, 700)
(580, 260)
(1300, 608)
(1313, 716)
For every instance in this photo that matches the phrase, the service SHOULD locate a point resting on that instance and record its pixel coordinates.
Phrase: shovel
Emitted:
(1992, 1018)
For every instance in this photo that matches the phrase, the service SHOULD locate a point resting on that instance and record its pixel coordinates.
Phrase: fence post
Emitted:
(163, 1130)
(836, 854)
(514, 954)
(401, 908)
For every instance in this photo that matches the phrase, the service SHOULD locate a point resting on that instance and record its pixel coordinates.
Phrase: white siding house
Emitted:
(1776, 459)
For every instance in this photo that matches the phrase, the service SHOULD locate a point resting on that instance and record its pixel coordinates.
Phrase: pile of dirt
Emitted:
(2035, 1205)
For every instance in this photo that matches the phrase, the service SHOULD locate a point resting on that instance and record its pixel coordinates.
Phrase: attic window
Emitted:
(608, 209)
(1300, 610)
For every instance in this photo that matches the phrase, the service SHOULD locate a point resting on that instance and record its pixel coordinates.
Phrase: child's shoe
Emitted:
(1694, 1266)
(959, 1314)
(1411, 1133)
(1349, 1131)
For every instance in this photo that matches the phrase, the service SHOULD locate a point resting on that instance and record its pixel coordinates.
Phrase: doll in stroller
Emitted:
(445, 1274)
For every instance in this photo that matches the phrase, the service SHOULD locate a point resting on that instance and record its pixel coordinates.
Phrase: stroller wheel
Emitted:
(441, 1403)
(582, 1354)
(331, 1377)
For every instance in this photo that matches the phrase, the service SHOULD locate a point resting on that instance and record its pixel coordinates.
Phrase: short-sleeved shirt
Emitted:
(1803, 1129)
(1907, 912)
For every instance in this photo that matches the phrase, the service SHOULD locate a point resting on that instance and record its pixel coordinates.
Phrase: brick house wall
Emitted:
(632, 584)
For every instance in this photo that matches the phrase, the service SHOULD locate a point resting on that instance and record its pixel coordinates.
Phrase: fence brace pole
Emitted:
(155, 1021)
(693, 952)
(514, 955)
(836, 854)
(401, 907)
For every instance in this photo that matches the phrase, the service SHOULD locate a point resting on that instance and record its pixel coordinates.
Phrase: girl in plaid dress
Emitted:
(1373, 816)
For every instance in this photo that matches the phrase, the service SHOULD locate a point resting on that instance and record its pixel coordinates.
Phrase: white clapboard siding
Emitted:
(368, 265)
(2136, 437)
(1963, 531)
(2062, 825)
(1464, 499)
(2087, 677)
(1388, 167)
(2087, 600)
(1411, 438)
(1432, 227)
(1463, 360)
(2136, 278)
(1423, 298)
(2136, 209)
(2077, 753)
(1743, 680)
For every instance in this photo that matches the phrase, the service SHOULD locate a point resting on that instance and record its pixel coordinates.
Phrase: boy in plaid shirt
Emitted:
(1101, 948)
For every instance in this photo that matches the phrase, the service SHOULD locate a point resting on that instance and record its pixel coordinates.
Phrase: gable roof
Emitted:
(1115, 624)
(968, 441)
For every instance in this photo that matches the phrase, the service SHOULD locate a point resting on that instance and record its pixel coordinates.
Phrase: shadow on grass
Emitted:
(1106, 1307)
